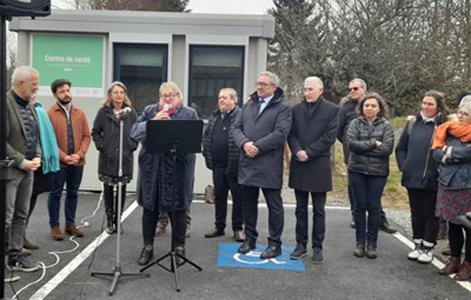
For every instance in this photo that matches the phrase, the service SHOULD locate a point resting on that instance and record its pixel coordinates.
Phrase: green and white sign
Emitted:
(76, 58)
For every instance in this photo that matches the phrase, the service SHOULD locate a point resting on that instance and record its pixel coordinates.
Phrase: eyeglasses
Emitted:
(353, 89)
(171, 96)
(119, 93)
(262, 84)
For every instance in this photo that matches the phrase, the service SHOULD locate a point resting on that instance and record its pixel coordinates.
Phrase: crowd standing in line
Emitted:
(244, 149)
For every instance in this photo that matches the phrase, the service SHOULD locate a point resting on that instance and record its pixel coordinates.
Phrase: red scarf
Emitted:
(463, 132)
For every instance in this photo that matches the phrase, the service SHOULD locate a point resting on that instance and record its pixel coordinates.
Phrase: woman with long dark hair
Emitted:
(420, 173)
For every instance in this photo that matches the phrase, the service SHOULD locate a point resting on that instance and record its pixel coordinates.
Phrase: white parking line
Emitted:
(70, 267)
(435, 262)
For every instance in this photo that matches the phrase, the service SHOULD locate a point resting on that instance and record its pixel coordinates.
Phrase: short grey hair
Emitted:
(23, 73)
(464, 100)
(232, 93)
(273, 77)
(315, 80)
(361, 81)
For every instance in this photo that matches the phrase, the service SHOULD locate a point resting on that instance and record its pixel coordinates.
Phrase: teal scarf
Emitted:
(49, 146)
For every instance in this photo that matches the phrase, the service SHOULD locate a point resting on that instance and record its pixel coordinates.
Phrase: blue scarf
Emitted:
(50, 162)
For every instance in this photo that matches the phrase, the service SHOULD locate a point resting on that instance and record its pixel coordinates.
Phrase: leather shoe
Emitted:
(359, 250)
(239, 236)
(56, 234)
(271, 252)
(387, 228)
(145, 257)
(352, 223)
(214, 233)
(246, 247)
(29, 245)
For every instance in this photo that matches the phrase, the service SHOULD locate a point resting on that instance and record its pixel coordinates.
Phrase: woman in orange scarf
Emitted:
(452, 150)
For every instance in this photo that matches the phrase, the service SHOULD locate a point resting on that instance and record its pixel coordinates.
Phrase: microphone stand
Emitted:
(117, 273)
(173, 254)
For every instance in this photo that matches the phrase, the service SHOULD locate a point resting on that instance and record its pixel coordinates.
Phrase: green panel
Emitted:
(77, 58)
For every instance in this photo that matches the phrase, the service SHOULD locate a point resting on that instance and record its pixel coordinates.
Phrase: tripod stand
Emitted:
(175, 136)
(117, 273)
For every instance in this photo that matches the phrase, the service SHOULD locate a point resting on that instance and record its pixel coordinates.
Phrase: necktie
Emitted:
(262, 104)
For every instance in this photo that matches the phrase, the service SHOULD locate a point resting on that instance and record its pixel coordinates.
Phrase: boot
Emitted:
(452, 267)
(109, 223)
(464, 272)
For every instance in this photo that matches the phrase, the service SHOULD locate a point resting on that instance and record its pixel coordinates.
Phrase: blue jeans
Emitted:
(18, 195)
(72, 177)
(367, 191)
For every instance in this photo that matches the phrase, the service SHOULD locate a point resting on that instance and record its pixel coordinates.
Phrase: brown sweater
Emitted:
(79, 126)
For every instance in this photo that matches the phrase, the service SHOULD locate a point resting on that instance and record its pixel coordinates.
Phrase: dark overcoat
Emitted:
(105, 134)
(314, 132)
(269, 131)
(150, 176)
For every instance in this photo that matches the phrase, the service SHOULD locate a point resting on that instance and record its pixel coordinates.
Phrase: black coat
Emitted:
(268, 131)
(365, 156)
(313, 132)
(105, 133)
(414, 156)
(347, 113)
(234, 151)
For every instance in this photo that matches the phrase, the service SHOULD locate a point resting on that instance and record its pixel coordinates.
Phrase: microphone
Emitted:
(165, 108)
(124, 111)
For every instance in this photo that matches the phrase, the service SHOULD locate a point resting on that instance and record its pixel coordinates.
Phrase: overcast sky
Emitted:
(208, 6)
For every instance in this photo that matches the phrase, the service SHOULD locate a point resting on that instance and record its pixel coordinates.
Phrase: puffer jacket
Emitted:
(365, 156)
(234, 151)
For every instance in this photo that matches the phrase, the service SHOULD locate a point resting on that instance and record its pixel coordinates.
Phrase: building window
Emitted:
(211, 69)
(142, 68)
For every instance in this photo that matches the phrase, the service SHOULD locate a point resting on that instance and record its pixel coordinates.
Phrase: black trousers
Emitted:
(222, 184)
(318, 217)
(111, 199)
(425, 225)
(457, 240)
(149, 221)
(276, 216)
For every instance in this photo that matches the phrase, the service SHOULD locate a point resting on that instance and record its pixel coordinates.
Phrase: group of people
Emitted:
(244, 147)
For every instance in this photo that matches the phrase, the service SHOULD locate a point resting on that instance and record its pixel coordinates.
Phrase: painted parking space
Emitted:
(228, 257)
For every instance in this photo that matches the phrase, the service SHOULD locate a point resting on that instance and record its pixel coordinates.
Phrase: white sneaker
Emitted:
(414, 255)
(427, 253)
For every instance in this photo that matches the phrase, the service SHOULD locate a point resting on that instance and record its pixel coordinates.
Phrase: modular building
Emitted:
(202, 53)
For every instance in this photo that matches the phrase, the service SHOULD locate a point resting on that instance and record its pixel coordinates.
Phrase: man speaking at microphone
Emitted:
(73, 138)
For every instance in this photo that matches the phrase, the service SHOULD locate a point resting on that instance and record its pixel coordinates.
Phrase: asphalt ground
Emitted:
(341, 276)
